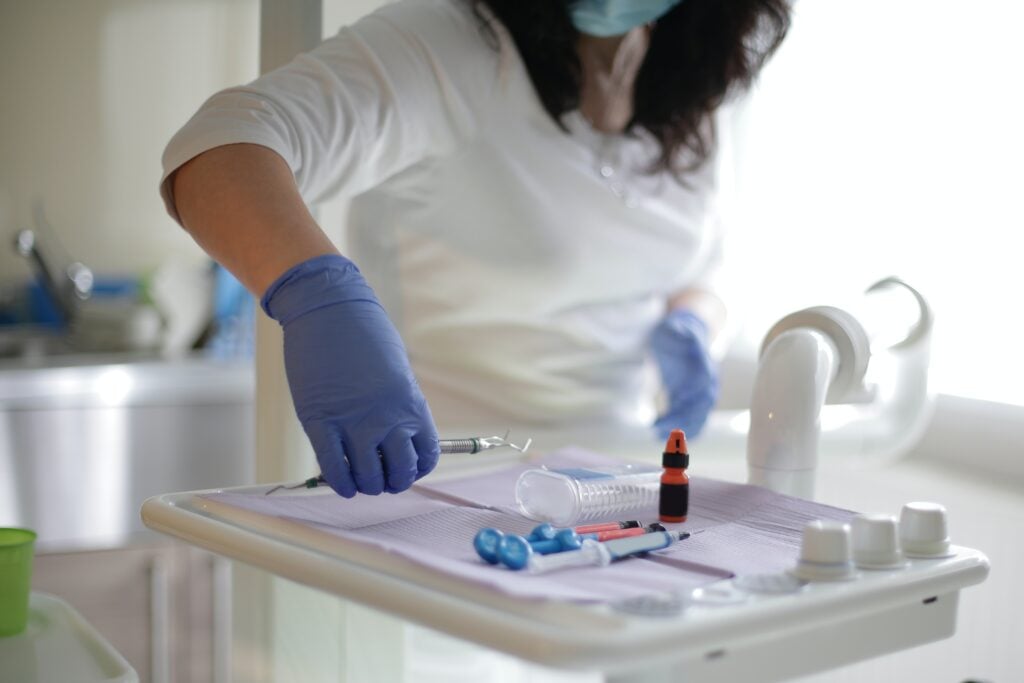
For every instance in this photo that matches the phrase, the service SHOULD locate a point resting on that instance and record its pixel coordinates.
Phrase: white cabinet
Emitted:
(162, 605)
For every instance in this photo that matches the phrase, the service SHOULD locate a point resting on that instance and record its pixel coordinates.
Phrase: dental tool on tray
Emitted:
(601, 554)
(469, 445)
(480, 443)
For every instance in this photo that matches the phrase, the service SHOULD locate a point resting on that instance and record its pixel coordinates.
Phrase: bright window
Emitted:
(886, 139)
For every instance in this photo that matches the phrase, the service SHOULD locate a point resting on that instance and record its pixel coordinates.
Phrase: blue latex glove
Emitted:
(350, 379)
(680, 346)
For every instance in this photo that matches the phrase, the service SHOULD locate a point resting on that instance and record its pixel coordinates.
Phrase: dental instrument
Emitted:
(606, 526)
(612, 534)
(546, 531)
(469, 445)
(512, 550)
(494, 546)
(604, 532)
(515, 551)
(594, 553)
(480, 443)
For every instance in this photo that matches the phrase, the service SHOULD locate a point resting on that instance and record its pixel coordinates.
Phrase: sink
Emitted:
(100, 326)
(20, 343)
(84, 440)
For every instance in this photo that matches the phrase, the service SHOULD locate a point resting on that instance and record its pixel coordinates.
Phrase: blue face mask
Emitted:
(616, 17)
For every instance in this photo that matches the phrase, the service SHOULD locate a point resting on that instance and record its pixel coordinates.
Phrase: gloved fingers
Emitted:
(686, 322)
(347, 367)
(365, 462)
(664, 425)
(330, 453)
(691, 418)
(699, 382)
(399, 461)
(679, 328)
(428, 452)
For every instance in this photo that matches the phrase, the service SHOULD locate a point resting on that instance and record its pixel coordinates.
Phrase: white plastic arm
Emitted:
(792, 382)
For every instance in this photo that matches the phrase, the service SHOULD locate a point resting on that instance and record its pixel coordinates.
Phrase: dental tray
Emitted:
(721, 604)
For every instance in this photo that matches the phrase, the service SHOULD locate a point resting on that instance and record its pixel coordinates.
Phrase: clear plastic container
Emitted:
(566, 496)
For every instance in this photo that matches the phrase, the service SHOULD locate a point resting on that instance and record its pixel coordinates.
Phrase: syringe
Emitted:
(595, 553)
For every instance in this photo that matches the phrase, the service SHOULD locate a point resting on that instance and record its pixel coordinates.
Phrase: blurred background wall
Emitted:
(92, 92)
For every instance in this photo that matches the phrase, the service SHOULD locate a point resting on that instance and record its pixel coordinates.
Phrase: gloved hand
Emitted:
(680, 346)
(350, 379)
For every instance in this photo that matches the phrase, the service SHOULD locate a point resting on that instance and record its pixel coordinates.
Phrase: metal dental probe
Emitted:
(448, 446)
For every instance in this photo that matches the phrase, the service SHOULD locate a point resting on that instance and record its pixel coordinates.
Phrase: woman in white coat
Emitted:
(532, 209)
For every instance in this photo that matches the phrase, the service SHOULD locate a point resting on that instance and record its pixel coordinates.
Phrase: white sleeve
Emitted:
(401, 85)
(718, 177)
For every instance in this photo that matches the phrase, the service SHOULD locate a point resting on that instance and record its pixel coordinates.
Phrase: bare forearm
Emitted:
(241, 205)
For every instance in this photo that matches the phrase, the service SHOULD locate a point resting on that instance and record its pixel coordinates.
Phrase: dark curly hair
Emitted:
(700, 53)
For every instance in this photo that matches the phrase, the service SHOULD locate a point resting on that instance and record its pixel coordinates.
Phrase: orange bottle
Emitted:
(674, 501)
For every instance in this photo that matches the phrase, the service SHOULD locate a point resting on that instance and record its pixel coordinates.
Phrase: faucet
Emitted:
(65, 291)
(824, 355)
(86, 324)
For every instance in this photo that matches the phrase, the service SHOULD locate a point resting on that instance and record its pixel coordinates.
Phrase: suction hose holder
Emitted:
(848, 337)
(821, 355)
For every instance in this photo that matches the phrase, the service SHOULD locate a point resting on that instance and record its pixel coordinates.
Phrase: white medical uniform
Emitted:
(523, 265)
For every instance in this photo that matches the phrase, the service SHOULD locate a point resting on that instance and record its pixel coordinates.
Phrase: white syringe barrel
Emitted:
(592, 553)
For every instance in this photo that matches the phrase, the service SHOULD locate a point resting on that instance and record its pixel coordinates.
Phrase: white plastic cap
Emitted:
(825, 553)
(876, 542)
(923, 530)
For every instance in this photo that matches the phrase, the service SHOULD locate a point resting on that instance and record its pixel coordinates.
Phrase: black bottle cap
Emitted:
(675, 460)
